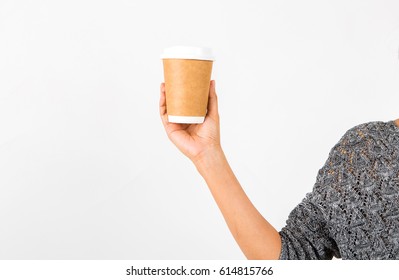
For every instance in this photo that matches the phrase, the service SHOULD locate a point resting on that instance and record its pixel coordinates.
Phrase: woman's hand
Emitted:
(194, 140)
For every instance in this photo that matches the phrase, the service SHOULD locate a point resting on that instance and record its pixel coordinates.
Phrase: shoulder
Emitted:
(369, 138)
(357, 150)
(359, 134)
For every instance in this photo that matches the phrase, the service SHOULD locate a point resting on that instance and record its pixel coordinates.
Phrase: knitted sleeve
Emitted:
(306, 234)
(307, 231)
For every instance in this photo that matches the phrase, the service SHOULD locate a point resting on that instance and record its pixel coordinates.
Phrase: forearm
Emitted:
(255, 236)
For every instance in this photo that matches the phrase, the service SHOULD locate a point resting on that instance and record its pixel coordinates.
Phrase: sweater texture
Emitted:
(353, 210)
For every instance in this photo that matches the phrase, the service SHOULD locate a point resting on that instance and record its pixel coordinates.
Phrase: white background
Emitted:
(86, 170)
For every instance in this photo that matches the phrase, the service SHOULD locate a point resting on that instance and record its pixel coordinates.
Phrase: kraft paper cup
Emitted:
(187, 73)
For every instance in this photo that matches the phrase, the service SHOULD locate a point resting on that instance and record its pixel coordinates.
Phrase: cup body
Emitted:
(187, 79)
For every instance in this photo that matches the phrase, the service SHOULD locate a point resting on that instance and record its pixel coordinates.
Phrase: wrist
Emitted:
(210, 159)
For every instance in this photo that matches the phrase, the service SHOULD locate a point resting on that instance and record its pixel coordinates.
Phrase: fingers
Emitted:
(162, 104)
(213, 101)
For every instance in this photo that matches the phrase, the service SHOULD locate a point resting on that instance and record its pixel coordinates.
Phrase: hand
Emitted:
(194, 140)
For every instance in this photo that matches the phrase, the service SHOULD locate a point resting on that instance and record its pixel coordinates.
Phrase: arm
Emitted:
(255, 236)
(201, 144)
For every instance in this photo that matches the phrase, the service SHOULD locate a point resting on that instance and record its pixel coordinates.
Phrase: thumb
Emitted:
(213, 101)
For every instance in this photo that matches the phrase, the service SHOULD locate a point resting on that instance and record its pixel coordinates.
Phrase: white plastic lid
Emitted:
(187, 52)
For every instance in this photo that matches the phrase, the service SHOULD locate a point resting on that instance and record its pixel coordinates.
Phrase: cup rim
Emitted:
(185, 119)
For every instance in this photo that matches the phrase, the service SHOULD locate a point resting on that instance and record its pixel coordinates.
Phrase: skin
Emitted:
(201, 144)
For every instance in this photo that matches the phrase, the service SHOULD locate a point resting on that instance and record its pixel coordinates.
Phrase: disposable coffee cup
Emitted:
(187, 73)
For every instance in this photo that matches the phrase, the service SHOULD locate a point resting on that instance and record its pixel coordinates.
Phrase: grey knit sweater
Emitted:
(353, 210)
